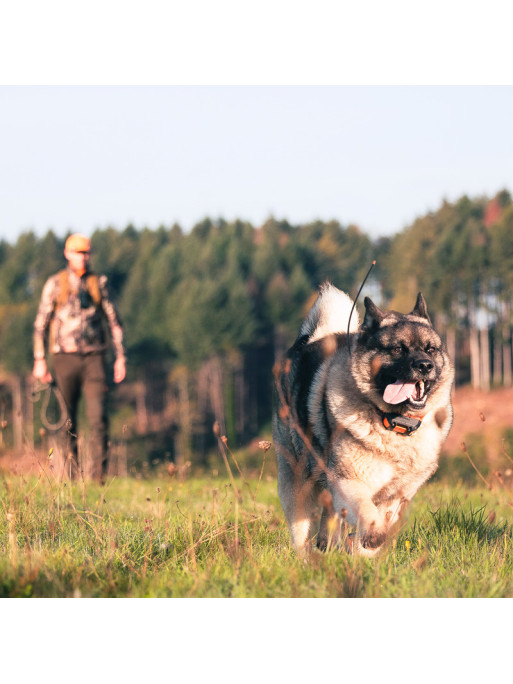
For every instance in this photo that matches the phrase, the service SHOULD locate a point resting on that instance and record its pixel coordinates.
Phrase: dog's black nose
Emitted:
(423, 365)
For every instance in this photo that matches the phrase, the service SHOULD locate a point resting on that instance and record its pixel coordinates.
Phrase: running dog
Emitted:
(361, 413)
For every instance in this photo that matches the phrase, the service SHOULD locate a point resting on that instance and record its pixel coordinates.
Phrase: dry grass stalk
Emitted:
(465, 451)
(222, 449)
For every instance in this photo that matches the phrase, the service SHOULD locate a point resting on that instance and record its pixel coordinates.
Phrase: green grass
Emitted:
(217, 537)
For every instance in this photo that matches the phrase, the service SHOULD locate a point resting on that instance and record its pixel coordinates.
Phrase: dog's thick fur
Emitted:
(328, 430)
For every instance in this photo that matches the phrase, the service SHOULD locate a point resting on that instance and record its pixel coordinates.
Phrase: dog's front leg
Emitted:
(371, 524)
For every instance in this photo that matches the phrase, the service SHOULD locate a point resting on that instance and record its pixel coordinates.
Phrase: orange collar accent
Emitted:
(403, 425)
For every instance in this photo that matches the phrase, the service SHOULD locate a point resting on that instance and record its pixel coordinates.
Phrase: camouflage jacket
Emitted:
(71, 315)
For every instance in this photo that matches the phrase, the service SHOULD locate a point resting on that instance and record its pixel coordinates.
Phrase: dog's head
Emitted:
(399, 360)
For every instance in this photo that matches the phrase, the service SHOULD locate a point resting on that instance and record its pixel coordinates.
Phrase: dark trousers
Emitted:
(77, 374)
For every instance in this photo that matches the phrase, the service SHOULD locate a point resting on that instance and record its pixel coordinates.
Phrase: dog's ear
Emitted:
(373, 316)
(420, 308)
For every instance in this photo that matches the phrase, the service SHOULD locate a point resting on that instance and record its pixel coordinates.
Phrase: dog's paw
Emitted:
(322, 542)
(355, 547)
(374, 538)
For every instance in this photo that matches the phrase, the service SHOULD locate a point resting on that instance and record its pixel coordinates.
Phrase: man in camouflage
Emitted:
(74, 304)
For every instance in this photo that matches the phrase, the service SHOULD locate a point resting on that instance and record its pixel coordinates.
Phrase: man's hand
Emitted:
(119, 369)
(41, 372)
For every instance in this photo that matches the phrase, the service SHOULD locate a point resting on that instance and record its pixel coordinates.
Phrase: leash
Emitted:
(37, 390)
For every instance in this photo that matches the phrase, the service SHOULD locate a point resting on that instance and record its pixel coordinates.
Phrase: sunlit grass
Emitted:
(226, 537)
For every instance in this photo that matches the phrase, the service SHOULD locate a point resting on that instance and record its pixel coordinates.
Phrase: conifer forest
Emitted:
(207, 313)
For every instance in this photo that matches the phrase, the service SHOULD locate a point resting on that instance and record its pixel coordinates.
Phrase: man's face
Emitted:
(78, 260)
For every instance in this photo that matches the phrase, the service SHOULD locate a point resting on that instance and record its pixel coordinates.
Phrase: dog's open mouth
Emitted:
(413, 392)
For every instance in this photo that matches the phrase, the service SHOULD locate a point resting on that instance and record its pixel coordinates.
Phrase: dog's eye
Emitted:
(395, 351)
(430, 349)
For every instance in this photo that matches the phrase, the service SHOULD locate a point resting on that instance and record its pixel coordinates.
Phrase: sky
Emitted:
(86, 157)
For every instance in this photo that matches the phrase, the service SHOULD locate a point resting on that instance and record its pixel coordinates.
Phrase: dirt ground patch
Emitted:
(477, 412)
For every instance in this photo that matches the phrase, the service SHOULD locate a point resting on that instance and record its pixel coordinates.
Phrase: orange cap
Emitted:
(78, 243)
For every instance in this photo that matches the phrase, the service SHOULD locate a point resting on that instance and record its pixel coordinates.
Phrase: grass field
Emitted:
(226, 537)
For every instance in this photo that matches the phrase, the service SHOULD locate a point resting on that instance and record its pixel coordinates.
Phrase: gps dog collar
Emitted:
(403, 425)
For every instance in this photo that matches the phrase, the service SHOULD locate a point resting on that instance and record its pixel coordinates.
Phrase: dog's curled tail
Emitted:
(329, 314)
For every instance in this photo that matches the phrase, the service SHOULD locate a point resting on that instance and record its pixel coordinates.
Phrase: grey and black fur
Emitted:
(328, 426)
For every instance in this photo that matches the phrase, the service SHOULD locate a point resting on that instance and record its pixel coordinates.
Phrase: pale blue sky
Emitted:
(82, 157)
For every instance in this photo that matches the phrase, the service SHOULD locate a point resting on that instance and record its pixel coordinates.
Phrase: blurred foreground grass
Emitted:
(222, 537)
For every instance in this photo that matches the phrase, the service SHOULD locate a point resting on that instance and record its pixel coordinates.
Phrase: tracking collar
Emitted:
(403, 425)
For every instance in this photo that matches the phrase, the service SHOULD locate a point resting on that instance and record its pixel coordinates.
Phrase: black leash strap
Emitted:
(40, 388)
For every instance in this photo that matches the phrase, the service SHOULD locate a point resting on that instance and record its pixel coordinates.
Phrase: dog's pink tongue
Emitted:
(398, 392)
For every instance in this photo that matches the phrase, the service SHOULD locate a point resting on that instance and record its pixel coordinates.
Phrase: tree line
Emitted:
(207, 312)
